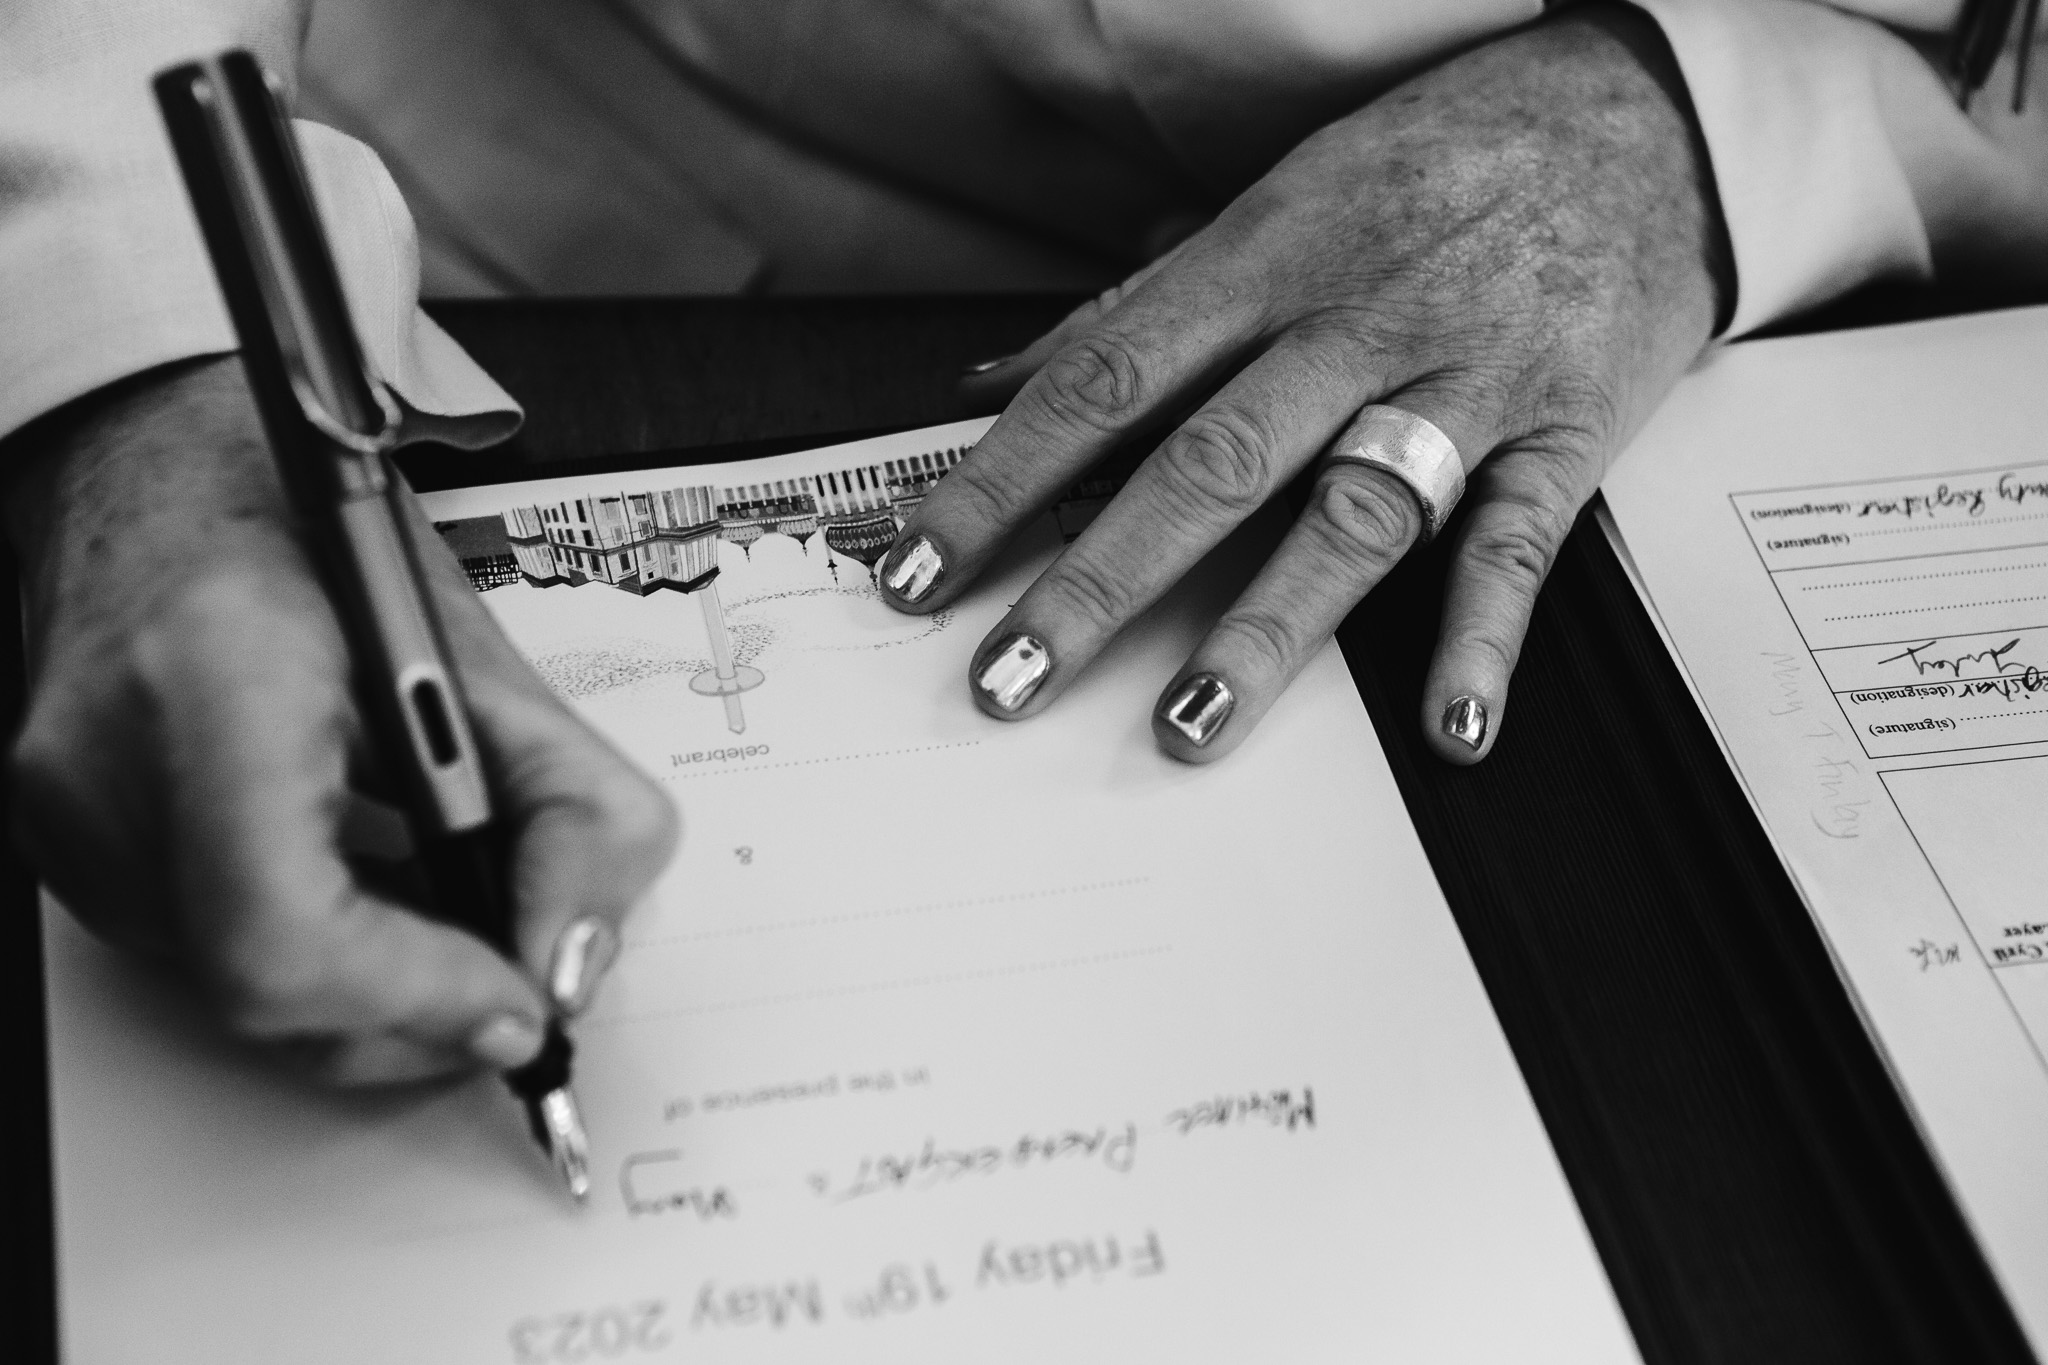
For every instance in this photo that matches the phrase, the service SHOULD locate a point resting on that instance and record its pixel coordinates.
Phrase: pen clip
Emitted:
(296, 287)
(369, 446)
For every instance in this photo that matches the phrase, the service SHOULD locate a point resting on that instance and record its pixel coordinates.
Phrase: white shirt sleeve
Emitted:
(1842, 158)
(102, 270)
(1839, 155)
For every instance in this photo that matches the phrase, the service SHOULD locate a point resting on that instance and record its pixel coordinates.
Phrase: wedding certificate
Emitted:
(942, 1039)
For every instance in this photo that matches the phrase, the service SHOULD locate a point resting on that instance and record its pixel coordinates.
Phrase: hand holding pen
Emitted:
(195, 759)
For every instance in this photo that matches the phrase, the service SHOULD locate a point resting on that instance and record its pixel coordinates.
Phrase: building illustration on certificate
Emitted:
(668, 540)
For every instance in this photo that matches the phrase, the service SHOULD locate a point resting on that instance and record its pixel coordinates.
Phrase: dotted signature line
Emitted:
(1918, 577)
(1956, 606)
(807, 762)
(876, 987)
(1950, 526)
(854, 917)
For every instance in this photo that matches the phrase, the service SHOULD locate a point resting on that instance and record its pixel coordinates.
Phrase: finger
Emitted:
(276, 923)
(1524, 503)
(1215, 470)
(590, 832)
(1166, 340)
(1357, 525)
(989, 384)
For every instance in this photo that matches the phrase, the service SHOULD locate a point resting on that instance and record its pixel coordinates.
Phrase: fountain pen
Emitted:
(331, 425)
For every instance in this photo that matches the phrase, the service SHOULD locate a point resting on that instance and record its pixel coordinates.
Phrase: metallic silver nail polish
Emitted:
(581, 955)
(1013, 672)
(1465, 721)
(913, 569)
(1198, 708)
(982, 367)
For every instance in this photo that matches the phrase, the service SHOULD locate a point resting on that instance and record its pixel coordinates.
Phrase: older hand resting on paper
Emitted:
(185, 772)
(1520, 248)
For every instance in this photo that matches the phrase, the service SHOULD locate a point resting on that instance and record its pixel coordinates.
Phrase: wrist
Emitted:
(1642, 39)
(117, 499)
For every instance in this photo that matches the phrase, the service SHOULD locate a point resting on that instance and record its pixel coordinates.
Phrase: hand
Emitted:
(185, 779)
(1521, 246)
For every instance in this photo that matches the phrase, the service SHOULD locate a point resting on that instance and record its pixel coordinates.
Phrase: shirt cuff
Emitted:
(103, 274)
(1814, 194)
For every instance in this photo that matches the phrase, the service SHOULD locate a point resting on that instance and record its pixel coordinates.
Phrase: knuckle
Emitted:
(1582, 413)
(1497, 651)
(1367, 519)
(994, 490)
(1516, 551)
(1097, 380)
(1264, 635)
(1219, 459)
(1082, 587)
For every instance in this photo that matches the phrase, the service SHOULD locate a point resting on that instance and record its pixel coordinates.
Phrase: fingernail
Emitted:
(982, 367)
(1465, 721)
(582, 953)
(913, 569)
(506, 1042)
(1198, 708)
(1014, 672)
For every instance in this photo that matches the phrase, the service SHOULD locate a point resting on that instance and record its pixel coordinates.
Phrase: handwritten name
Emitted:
(651, 1183)
(1275, 1108)
(1944, 497)
(2014, 489)
(1942, 500)
(1836, 814)
(1114, 1149)
(1785, 675)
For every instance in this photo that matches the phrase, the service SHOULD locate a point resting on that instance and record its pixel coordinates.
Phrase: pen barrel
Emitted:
(411, 699)
(331, 426)
(466, 873)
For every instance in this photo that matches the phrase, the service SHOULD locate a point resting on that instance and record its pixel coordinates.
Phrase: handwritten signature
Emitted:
(1954, 664)
(1932, 954)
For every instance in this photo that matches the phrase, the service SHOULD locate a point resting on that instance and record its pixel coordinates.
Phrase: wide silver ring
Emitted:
(1414, 450)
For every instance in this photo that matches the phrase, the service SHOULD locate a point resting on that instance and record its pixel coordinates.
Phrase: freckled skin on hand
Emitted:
(1522, 247)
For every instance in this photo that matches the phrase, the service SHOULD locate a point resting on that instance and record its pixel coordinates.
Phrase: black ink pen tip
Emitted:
(556, 1117)
(542, 1085)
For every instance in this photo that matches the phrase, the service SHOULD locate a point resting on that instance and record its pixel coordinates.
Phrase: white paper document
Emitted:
(1845, 539)
(941, 1040)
